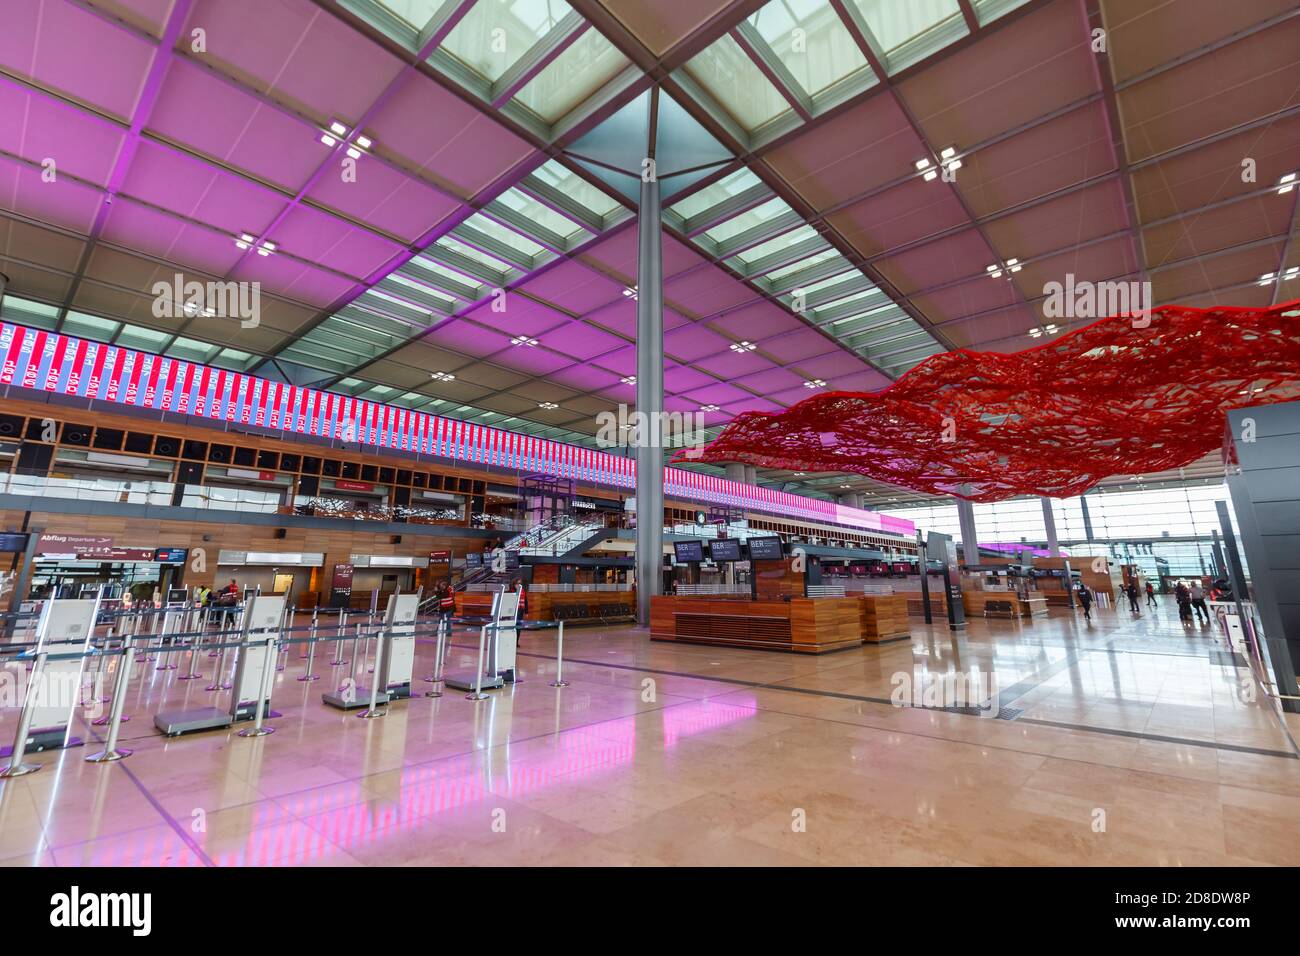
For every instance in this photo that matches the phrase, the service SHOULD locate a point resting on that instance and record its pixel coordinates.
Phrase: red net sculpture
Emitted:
(1121, 396)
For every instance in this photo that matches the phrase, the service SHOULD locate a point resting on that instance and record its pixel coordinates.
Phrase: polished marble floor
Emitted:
(1129, 741)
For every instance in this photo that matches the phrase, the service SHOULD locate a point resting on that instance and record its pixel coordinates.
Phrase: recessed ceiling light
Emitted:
(628, 379)
(814, 383)
(1286, 183)
(948, 153)
(743, 346)
(353, 152)
(708, 408)
(442, 376)
(630, 292)
(365, 142)
(524, 340)
(327, 139)
(1265, 279)
(547, 405)
(338, 128)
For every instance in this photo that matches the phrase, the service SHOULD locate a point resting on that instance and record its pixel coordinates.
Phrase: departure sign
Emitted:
(687, 551)
(170, 555)
(765, 549)
(724, 549)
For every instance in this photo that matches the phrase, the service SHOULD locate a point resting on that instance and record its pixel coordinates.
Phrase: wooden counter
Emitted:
(975, 602)
(801, 625)
(883, 617)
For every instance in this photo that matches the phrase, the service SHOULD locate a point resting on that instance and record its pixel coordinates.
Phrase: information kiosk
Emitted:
(502, 638)
(263, 614)
(64, 627)
(396, 651)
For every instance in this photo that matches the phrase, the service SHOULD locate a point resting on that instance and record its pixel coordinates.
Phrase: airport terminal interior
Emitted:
(649, 433)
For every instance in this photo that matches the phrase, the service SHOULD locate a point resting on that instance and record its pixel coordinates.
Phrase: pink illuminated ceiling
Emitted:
(1122, 165)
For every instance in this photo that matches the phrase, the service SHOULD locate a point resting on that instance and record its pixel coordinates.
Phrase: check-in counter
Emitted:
(883, 618)
(1003, 604)
(800, 625)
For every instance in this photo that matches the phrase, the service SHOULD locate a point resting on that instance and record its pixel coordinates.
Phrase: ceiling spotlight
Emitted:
(365, 142)
(708, 408)
(630, 292)
(1291, 273)
(628, 379)
(814, 383)
(266, 248)
(547, 405)
(244, 240)
(353, 152)
(1286, 184)
(524, 340)
(327, 139)
(1265, 279)
(442, 377)
(338, 128)
(997, 270)
(743, 346)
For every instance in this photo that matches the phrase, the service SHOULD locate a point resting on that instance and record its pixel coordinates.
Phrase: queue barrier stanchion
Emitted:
(311, 651)
(16, 766)
(478, 675)
(372, 711)
(444, 635)
(259, 728)
(112, 752)
(115, 715)
(165, 661)
(559, 659)
(283, 656)
(338, 646)
(195, 642)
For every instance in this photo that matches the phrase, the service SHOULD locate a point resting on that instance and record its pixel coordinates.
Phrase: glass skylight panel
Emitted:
(469, 252)
(147, 340)
(192, 350)
(35, 315)
(811, 41)
(923, 25)
(540, 213)
(507, 237)
(986, 10)
(575, 187)
(422, 293)
(88, 326)
(780, 243)
(415, 12)
(495, 34)
(719, 192)
(587, 64)
(233, 358)
(827, 283)
(739, 86)
(748, 220)
(814, 260)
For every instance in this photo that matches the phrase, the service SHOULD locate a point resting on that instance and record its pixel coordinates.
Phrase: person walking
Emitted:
(1085, 601)
(1184, 598)
(1197, 596)
(1151, 596)
(1132, 592)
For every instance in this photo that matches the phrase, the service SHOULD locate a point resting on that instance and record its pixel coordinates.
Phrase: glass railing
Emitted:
(142, 492)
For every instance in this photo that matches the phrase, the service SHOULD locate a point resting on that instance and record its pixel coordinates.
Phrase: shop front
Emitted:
(275, 572)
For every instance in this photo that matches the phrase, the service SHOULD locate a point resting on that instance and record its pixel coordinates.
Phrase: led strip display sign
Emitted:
(52, 362)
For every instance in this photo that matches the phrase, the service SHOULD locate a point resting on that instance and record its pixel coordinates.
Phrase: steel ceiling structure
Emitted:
(861, 166)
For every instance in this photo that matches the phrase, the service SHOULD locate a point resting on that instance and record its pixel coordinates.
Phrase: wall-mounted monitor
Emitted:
(687, 551)
(724, 549)
(765, 549)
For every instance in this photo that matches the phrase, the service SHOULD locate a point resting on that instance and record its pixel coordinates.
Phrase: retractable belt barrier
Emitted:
(124, 639)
